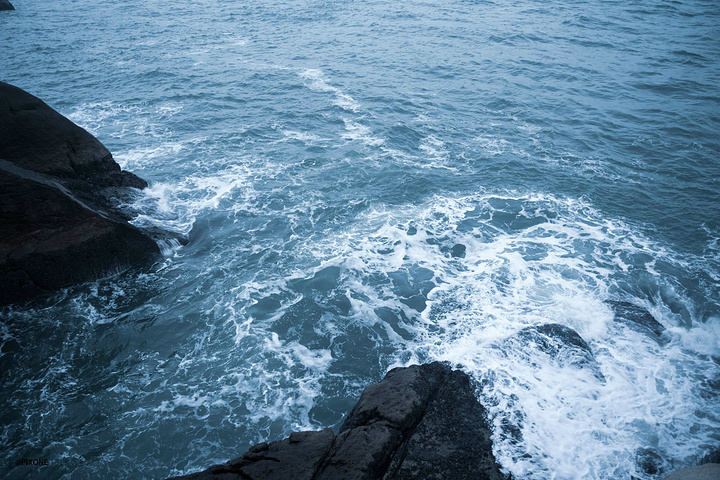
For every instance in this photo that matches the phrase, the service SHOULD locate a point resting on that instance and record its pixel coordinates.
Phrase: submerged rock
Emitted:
(638, 319)
(421, 421)
(458, 250)
(650, 461)
(553, 338)
(6, 5)
(58, 221)
(562, 344)
(712, 457)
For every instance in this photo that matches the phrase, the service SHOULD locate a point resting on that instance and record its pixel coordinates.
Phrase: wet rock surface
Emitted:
(59, 220)
(421, 421)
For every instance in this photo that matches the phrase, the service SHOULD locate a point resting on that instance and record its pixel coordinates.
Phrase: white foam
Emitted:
(559, 268)
(116, 119)
(357, 132)
(175, 206)
(93, 116)
(703, 338)
(318, 82)
(492, 146)
(433, 147)
(305, 137)
(141, 157)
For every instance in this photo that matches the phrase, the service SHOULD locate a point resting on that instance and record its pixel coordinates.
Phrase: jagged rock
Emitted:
(638, 319)
(49, 239)
(58, 223)
(421, 421)
(6, 5)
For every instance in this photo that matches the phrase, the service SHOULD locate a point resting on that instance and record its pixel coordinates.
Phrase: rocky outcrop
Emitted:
(421, 421)
(6, 5)
(59, 224)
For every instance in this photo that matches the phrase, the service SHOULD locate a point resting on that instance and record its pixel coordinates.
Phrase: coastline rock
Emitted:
(6, 5)
(707, 469)
(50, 240)
(421, 421)
(59, 224)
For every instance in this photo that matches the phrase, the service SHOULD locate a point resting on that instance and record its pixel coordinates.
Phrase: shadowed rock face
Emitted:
(6, 5)
(50, 240)
(419, 422)
(58, 222)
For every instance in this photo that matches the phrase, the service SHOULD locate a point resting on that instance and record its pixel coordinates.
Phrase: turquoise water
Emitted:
(326, 160)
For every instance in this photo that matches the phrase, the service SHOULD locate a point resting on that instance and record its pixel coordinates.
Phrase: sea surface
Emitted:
(368, 184)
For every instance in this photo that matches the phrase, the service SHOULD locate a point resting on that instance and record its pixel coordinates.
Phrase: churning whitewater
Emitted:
(366, 185)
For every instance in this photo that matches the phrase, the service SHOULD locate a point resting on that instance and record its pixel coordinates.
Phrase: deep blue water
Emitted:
(325, 158)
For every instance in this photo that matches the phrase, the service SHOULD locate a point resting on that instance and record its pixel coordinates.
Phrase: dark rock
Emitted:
(297, 457)
(452, 439)
(420, 422)
(638, 319)
(49, 239)
(59, 221)
(6, 5)
(553, 338)
(649, 461)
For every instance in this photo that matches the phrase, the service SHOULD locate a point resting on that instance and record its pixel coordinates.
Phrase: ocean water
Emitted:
(373, 184)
